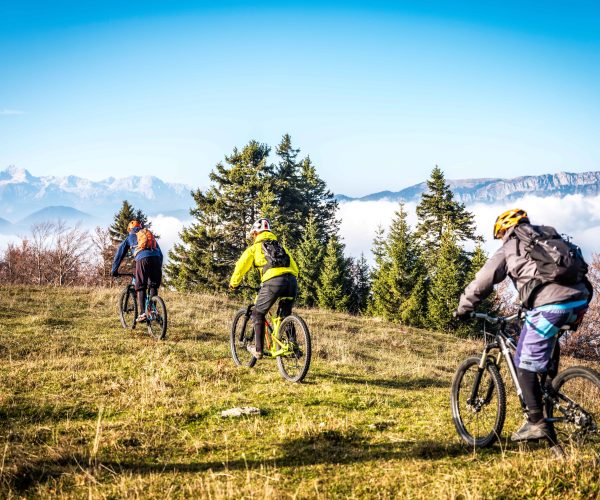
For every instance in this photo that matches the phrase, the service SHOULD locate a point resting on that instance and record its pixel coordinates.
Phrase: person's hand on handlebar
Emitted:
(462, 316)
(115, 274)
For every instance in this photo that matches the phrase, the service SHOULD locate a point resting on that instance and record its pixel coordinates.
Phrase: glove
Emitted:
(114, 274)
(233, 289)
(461, 316)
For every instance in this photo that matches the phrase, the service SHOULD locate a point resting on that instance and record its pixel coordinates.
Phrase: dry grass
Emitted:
(89, 409)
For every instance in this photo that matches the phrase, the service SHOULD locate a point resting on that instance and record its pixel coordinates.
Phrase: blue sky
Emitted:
(377, 93)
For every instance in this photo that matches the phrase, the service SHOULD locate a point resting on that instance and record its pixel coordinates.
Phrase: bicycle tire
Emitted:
(491, 385)
(238, 340)
(128, 298)
(302, 351)
(157, 323)
(580, 420)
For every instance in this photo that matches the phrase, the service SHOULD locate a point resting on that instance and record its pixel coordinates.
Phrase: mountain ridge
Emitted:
(490, 190)
(22, 193)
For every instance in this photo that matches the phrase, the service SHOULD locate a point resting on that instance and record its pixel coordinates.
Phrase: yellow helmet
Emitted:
(507, 220)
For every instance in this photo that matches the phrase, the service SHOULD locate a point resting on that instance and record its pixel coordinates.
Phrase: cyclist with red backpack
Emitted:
(148, 261)
(549, 273)
(278, 273)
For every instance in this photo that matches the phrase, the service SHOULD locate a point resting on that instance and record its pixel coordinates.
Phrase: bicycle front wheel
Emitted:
(478, 417)
(294, 334)
(241, 336)
(157, 318)
(577, 411)
(128, 308)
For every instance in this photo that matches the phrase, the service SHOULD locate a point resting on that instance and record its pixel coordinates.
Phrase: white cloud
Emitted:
(168, 228)
(574, 215)
(5, 239)
(10, 112)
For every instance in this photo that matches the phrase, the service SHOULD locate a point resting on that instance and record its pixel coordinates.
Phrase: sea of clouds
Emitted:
(574, 215)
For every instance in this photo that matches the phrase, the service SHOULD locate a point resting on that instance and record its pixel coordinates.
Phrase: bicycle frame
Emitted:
(506, 346)
(274, 345)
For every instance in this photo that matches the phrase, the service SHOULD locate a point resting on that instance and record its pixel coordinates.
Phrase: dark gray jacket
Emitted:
(513, 262)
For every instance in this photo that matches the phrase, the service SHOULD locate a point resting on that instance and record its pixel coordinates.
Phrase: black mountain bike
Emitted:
(156, 310)
(478, 399)
(286, 339)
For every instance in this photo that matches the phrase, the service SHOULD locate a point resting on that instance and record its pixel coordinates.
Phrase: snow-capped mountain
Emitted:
(492, 190)
(22, 193)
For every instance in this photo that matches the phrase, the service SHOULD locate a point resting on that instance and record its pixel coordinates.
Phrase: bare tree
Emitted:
(104, 249)
(41, 238)
(71, 246)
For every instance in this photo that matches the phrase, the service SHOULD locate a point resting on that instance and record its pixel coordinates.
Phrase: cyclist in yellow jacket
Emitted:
(278, 273)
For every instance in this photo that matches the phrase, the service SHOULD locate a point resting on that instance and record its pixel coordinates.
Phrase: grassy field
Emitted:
(89, 409)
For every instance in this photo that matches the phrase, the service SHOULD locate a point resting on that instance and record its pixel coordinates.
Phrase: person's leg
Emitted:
(534, 351)
(268, 294)
(141, 283)
(288, 297)
(155, 275)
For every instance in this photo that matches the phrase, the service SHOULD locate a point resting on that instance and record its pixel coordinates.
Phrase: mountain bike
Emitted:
(156, 310)
(478, 398)
(286, 339)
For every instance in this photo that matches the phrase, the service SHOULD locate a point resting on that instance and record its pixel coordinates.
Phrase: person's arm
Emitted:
(494, 271)
(160, 254)
(122, 250)
(293, 264)
(242, 266)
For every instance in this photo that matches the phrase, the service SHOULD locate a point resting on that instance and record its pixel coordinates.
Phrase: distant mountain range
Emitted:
(471, 191)
(22, 194)
(26, 199)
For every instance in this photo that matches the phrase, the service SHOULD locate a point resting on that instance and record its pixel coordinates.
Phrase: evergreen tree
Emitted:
(447, 283)
(414, 309)
(360, 289)
(333, 281)
(381, 294)
(488, 305)
(316, 198)
(309, 257)
(291, 210)
(127, 213)
(437, 212)
(224, 213)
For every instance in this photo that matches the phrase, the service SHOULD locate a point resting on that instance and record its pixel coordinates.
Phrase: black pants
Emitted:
(284, 287)
(148, 274)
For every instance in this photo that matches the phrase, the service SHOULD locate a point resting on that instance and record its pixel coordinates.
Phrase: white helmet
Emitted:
(259, 226)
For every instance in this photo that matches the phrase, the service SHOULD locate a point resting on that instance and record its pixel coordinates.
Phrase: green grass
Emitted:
(90, 409)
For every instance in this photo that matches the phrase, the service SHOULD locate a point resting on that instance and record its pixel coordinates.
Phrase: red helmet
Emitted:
(132, 224)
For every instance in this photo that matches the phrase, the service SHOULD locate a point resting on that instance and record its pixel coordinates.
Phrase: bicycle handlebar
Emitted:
(493, 319)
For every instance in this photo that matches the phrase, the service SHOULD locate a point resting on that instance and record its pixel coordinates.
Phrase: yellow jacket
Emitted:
(254, 256)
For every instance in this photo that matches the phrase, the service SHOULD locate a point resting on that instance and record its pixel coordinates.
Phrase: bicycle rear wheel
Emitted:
(478, 420)
(578, 410)
(128, 310)
(241, 336)
(157, 318)
(294, 332)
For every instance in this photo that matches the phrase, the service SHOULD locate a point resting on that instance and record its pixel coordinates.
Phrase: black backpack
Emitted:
(275, 254)
(557, 260)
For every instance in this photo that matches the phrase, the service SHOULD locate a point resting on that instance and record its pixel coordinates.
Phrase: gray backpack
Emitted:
(557, 260)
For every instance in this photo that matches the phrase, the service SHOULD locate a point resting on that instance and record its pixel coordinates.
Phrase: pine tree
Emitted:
(447, 283)
(381, 294)
(318, 200)
(291, 211)
(333, 281)
(397, 267)
(224, 213)
(414, 310)
(437, 211)
(127, 213)
(360, 289)
(309, 257)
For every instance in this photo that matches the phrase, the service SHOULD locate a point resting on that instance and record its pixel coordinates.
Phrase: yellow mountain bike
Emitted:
(286, 339)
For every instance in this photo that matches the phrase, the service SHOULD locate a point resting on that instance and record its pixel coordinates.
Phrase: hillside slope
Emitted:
(87, 408)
